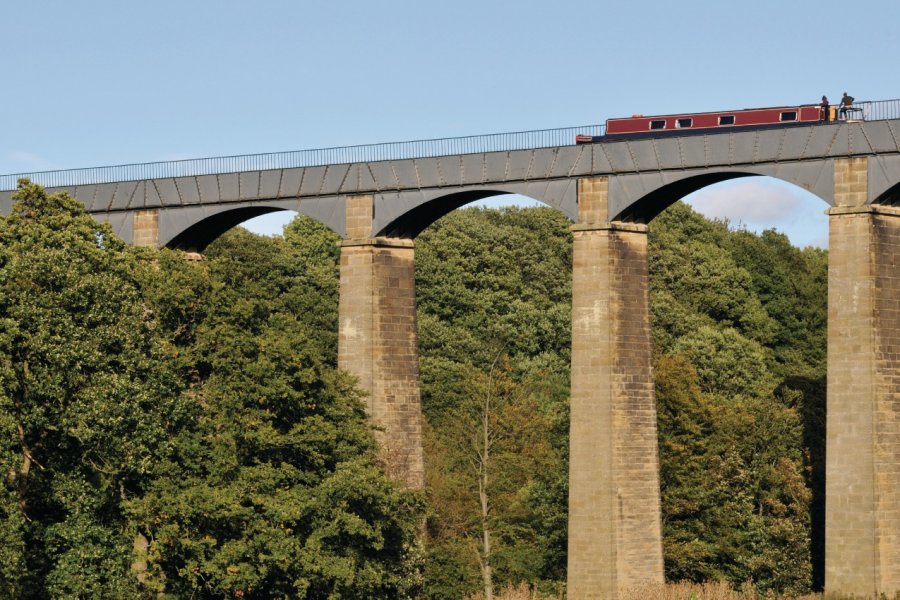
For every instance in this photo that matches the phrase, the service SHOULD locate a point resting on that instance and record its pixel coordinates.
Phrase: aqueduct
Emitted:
(611, 191)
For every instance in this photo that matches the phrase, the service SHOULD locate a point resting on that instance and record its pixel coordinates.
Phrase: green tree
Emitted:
(482, 465)
(738, 331)
(734, 345)
(792, 285)
(273, 489)
(87, 398)
(489, 279)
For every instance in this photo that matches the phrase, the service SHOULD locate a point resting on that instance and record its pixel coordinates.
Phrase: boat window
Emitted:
(684, 123)
(789, 115)
(726, 120)
(661, 124)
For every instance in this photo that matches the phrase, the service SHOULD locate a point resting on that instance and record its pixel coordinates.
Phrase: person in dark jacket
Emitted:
(846, 103)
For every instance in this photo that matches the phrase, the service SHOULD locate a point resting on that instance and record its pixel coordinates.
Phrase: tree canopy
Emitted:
(178, 428)
(738, 330)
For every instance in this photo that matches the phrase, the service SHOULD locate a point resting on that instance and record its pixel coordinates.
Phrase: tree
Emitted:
(87, 398)
(489, 279)
(481, 467)
(738, 331)
(273, 489)
(736, 498)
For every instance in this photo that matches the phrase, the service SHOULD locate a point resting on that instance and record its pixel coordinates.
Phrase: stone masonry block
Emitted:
(377, 342)
(592, 200)
(145, 228)
(862, 551)
(851, 181)
(615, 539)
(359, 217)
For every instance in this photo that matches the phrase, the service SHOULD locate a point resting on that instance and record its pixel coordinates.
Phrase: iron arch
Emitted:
(890, 197)
(202, 233)
(407, 214)
(642, 203)
(415, 221)
(648, 207)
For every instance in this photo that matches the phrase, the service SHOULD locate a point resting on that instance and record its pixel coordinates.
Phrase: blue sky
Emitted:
(99, 82)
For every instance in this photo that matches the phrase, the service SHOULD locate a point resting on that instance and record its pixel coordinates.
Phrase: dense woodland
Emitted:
(175, 428)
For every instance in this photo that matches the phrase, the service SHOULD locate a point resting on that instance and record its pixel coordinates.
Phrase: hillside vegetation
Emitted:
(179, 429)
(739, 352)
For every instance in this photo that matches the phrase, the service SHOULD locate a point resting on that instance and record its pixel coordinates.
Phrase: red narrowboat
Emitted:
(685, 123)
(735, 118)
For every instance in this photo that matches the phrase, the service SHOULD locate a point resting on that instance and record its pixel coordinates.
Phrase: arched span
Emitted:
(407, 214)
(890, 197)
(416, 220)
(646, 209)
(640, 201)
(201, 234)
(195, 227)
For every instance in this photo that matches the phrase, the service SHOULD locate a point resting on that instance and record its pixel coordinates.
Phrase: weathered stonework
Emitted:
(851, 181)
(615, 539)
(145, 228)
(593, 196)
(377, 339)
(359, 214)
(862, 510)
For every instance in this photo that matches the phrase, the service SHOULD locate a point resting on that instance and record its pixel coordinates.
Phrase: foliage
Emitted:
(196, 407)
(489, 279)
(178, 429)
(87, 399)
(737, 428)
(494, 285)
(273, 490)
(492, 445)
(296, 275)
(738, 330)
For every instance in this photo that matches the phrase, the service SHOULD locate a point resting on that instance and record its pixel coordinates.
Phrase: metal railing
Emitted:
(475, 144)
(879, 110)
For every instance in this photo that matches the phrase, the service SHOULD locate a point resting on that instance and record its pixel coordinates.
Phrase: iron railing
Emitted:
(475, 144)
(878, 111)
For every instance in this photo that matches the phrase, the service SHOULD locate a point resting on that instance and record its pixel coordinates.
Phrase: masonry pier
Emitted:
(615, 538)
(377, 337)
(862, 497)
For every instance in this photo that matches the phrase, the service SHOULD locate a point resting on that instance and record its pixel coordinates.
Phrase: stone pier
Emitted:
(145, 228)
(377, 337)
(862, 496)
(615, 538)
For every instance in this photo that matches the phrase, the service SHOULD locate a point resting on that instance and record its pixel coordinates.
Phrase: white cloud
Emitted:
(755, 201)
(764, 203)
(25, 157)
